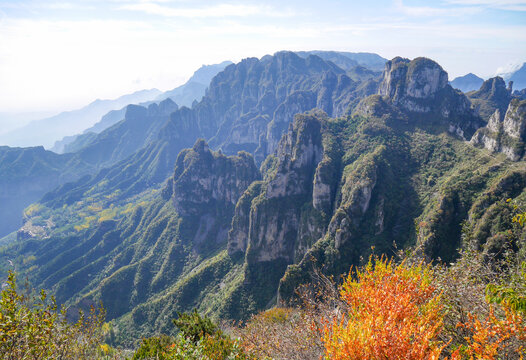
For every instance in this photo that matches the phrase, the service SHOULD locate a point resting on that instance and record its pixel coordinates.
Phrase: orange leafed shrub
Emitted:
(493, 337)
(393, 312)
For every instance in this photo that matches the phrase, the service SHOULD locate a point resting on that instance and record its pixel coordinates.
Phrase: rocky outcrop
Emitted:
(492, 95)
(505, 134)
(275, 221)
(411, 83)
(514, 123)
(275, 217)
(203, 177)
(206, 187)
(420, 88)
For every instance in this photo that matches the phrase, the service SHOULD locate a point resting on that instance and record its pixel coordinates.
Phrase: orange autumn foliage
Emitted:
(393, 312)
(493, 337)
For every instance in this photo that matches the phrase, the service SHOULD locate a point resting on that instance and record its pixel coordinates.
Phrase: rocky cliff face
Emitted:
(203, 177)
(420, 88)
(505, 134)
(250, 105)
(493, 95)
(275, 221)
(206, 187)
(406, 82)
(272, 235)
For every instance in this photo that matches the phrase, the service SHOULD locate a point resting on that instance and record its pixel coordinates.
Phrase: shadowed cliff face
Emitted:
(204, 178)
(275, 215)
(250, 105)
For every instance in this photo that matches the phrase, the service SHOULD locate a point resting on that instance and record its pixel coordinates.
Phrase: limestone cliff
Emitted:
(206, 187)
(492, 95)
(275, 221)
(505, 134)
(420, 88)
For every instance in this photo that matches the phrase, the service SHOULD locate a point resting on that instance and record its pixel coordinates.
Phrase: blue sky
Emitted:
(59, 55)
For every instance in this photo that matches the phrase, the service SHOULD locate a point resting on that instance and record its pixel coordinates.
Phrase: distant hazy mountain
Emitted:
(46, 131)
(195, 87)
(193, 90)
(468, 82)
(519, 78)
(78, 141)
(12, 120)
(348, 60)
(139, 126)
(515, 73)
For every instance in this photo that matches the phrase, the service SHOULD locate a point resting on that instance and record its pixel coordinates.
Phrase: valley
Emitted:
(289, 163)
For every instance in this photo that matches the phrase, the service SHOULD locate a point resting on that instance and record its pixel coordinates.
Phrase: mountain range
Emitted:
(183, 95)
(288, 163)
(44, 132)
(127, 131)
(471, 82)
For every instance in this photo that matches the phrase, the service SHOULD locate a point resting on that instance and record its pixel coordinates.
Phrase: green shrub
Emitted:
(194, 327)
(32, 328)
(199, 338)
(154, 348)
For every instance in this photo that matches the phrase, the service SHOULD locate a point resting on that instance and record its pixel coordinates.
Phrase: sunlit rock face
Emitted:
(505, 134)
(420, 88)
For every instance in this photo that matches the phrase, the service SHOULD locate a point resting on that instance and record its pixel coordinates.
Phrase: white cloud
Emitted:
(216, 11)
(427, 11)
(66, 64)
(509, 68)
(512, 5)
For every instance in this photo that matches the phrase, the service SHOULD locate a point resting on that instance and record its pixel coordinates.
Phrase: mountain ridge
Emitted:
(46, 131)
(287, 164)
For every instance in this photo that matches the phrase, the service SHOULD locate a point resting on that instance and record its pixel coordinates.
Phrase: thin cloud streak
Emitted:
(216, 11)
(427, 11)
(511, 5)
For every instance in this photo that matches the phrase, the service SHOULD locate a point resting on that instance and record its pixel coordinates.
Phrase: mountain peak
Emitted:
(493, 88)
(201, 146)
(492, 95)
(420, 78)
(468, 82)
